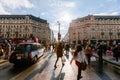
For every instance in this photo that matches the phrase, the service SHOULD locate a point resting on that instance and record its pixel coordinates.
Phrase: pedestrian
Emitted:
(116, 52)
(59, 53)
(67, 48)
(100, 50)
(79, 57)
(1, 52)
(7, 49)
(88, 53)
(105, 48)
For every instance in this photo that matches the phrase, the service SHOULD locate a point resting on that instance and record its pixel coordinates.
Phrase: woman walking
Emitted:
(79, 57)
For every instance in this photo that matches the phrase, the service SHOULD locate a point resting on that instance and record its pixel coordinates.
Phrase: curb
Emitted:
(109, 61)
(115, 65)
(2, 61)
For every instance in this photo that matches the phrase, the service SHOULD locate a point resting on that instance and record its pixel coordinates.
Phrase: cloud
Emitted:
(14, 4)
(62, 4)
(2, 10)
(43, 13)
(111, 0)
(69, 4)
(108, 13)
(54, 26)
(65, 17)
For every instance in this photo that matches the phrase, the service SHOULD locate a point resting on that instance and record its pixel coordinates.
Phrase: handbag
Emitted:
(84, 65)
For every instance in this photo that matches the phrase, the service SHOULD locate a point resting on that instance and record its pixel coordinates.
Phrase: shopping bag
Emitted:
(84, 65)
(93, 58)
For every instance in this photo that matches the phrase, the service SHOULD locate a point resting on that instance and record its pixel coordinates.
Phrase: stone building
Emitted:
(24, 26)
(95, 28)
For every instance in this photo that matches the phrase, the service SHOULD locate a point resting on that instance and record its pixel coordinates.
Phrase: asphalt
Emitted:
(108, 58)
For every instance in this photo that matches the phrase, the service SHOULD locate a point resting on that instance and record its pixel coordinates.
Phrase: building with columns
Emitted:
(23, 26)
(95, 28)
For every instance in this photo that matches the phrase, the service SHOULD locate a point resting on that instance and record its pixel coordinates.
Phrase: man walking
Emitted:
(59, 53)
(100, 50)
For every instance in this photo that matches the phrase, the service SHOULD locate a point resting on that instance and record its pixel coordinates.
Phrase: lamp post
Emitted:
(59, 35)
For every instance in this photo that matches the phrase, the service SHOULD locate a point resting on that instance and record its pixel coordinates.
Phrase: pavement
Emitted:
(87, 74)
(2, 60)
(108, 58)
(69, 72)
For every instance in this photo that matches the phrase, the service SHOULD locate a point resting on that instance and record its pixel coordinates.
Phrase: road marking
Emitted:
(27, 72)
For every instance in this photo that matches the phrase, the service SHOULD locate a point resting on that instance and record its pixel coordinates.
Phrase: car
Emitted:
(26, 52)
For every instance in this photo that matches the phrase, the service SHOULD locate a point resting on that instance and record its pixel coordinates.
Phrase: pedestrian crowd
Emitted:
(5, 49)
(83, 54)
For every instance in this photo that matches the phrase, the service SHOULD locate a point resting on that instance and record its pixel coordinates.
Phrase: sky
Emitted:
(63, 11)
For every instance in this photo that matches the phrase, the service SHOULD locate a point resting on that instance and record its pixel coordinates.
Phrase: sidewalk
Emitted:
(2, 60)
(109, 58)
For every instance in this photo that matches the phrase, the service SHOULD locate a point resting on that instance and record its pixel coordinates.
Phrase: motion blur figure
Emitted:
(59, 53)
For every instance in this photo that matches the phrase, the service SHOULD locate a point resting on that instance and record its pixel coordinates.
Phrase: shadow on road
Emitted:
(57, 74)
(99, 69)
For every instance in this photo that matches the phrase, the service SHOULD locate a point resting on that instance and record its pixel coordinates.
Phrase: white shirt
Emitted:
(81, 57)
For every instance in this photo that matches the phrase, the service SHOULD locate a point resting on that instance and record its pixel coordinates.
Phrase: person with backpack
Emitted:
(79, 57)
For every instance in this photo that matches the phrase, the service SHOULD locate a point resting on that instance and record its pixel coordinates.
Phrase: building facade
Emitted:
(97, 28)
(23, 26)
